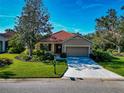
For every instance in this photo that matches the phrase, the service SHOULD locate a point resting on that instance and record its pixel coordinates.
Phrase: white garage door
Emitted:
(77, 51)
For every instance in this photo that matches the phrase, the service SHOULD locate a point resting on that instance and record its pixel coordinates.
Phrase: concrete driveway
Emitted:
(84, 67)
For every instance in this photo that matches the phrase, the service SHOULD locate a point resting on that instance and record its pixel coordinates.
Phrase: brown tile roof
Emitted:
(58, 37)
(7, 34)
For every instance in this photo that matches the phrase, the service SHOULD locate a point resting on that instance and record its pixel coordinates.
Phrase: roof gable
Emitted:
(78, 37)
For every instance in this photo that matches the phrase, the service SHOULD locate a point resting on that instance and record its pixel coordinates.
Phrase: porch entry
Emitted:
(55, 48)
(58, 48)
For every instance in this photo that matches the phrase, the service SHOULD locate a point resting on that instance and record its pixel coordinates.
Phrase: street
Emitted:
(61, 86)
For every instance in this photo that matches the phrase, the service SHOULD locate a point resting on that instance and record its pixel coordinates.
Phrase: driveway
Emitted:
(84, 67)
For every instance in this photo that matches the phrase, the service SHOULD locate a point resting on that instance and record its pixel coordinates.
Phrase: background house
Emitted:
(4, 37)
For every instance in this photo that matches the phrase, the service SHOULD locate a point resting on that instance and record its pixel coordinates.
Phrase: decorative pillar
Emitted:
(53, 48)
(3, 46)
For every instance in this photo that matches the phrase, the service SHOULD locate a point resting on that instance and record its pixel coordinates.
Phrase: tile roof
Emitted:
(7, 34)
(58, 37)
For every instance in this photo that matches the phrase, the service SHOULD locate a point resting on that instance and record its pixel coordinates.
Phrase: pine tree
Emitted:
(34, 20)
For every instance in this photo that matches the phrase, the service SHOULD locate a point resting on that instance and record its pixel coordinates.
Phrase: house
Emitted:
(4, 37)
(69, 43)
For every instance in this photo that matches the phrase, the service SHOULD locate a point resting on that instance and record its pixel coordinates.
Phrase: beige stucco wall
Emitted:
(76, 41)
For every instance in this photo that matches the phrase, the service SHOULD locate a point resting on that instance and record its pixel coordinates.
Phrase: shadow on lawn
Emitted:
(6, 74)
(115, 63)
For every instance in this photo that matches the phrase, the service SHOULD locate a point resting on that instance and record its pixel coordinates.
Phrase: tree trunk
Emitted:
(119, 49)
(30, 52)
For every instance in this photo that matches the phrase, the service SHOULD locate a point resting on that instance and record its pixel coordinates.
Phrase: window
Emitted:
(49, 47)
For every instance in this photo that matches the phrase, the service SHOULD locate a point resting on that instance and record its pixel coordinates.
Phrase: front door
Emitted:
(58, 48)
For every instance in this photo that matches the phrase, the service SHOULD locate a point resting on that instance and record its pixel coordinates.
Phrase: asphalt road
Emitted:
(62, 86)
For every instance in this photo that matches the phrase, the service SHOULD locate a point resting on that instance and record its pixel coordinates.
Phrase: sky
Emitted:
(69, 15)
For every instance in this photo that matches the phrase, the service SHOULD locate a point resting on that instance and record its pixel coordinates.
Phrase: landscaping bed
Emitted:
(20, 69)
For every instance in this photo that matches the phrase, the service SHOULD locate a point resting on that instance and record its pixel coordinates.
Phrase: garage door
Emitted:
(77, 51)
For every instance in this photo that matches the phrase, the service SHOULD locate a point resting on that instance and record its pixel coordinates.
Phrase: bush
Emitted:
(38, 55)
(110, 50)
(38, 46)
(5, 61)
(11, 50)
(115, 53)
(63, 55)
(15, 50)
(100, 55)
(26, 52)
(38, 52)
(15, 45)
(48, 56)
(36, 58)
(24, 56)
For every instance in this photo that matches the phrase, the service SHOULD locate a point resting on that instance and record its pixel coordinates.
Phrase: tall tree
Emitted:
(122, 7)
(107, 26)
(34, 20)
(9, 30)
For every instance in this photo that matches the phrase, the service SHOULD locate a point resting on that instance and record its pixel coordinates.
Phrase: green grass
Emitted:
(116, 65)
(20, 69)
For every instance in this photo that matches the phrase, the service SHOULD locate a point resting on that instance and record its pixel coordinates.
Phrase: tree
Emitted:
(9, 30)
(15, 45)
(33, 22)
(122, 7)
(108, 29)
(108, 22)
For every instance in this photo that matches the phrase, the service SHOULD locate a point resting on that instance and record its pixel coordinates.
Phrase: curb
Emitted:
(102, 79)
(63, 78)
(27, 79)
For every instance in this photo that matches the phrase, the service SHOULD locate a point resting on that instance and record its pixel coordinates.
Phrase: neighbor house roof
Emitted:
(58, 37)
(7, 35)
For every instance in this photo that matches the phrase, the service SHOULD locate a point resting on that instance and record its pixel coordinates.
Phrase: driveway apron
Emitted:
(84, 67)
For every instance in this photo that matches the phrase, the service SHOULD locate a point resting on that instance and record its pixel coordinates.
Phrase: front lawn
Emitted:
(21, 69)
(116, 65)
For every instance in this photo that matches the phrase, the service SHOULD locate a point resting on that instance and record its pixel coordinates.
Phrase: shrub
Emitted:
(5, 61)
(110, 50)
(100, 55)
(15, 45)
(115, 53)
(11, 50)
(24, 56)
(38, 46)
(48, 56)
(63, 55)
(37, 55)
(36, 58)
(38, 52)
(15, 50)
(26, 52)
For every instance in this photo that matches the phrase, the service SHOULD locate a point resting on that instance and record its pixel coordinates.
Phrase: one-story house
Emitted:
(4, 37)
(69, 43)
